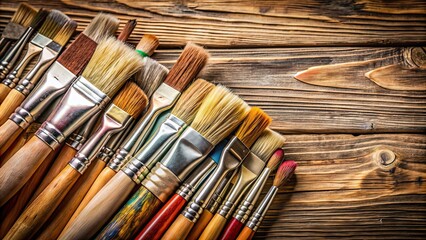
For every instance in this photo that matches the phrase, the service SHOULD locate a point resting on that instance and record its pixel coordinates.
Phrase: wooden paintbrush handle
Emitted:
(232, 230)
(158, 225)
(39, 211)
(19, 168)
(246, 234)
(200, 225)
(4, 90)
(10, 103)
(9, 131)
(179, 229)
(214, 229)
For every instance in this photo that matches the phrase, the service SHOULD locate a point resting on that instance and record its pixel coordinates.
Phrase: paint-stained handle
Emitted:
(246, 234)
(39, 211)
(159, 224)
(179, 229)
(214, 229)
(232, 230)
(4, 90)
(9, 104)
(9, 132)
(200, 225)
(19, 168)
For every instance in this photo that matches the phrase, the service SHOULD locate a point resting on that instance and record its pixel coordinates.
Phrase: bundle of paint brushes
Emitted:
(98, 140)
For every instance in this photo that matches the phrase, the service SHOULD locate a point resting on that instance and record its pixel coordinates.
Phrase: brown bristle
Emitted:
(131, 99)
(127, 30)
(275, 159)
(252, 126)
(148, 44)
(65, 33)
(267, 143)
(191, 61)
(284, 173)
(191, 99)
(78, 54)
(24, 15)
(112, 63)
(151, 75)
(219, 114)
(101, 27)
(39, 18)
(53, 23)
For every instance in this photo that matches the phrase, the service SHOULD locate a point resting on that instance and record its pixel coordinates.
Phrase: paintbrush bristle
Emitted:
(65, 33)
(131, 99)
(147, 45)
(112, 63)
(219, 114)
(284, 173)
(191, 61)
(252, 126)
(267, 143)
(191, 99)
(24, 15)
(53, 23)
(127, 30)
(39, 18)
(275, 159)
(151, 75)
(101, 27)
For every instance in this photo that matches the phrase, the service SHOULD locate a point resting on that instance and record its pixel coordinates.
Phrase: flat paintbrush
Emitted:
(127, 30)
(284, 173)
(106, 72)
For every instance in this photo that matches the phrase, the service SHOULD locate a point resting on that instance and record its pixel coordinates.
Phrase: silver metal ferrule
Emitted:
(250, 169)
(13, 31)
(114, 142)
(246, 206)
(218, 195)
(258, 215)
(77, 139)
(146, 158)
(81, 102)
(113, 120)
(232, 156)
(162, 99)
(53, 84)
(161, 182)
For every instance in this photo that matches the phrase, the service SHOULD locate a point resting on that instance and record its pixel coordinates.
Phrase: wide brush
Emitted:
(235, 152)
(284, 173)
(112, 63)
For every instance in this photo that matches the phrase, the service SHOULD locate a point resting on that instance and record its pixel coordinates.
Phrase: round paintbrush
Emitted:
(284, 173)
(127, 30)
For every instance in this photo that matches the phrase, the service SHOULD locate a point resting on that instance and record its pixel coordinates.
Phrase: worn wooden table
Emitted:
(355, 123)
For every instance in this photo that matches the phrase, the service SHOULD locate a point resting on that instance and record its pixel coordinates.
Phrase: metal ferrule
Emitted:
(47, 56)
(80, 136)
(13, 31)
(246, 206)
(114, 142)
(258, 215)
(161, 182)
(113, 120)
(146, 158)
(232, 156)
(81, 102)
(162, 99)
(218, 195)
(193, 182)
(250, 169)
(53, 84)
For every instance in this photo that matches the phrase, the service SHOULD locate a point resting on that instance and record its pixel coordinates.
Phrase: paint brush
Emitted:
(111, 65)
(243, 211)
(283, 175)
(219, 114)
(14, 29)
(127, 30)
(235, 152)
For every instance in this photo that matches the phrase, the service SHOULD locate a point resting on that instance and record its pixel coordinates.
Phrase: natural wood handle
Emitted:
(232, 230)
(100, 209)
(10, 103)
(38, 212)
(200, 225)
(179, 229)
(4, 90)
(215, 227)
(9, 131)
(19, 168)
(246, 234)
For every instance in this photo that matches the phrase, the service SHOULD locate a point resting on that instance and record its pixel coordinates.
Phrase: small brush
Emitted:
(111, 65)
(284, 173)
(127, 30)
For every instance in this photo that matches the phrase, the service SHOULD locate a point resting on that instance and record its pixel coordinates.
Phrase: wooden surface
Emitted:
(356, 128)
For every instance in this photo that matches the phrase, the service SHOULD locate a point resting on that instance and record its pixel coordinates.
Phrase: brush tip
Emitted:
(102, 26)
(39, 18)
(55, 21)
(131, 99)
(150, 76)
(284, 173)
(127, 30)
(24, 15)
(267, 143)
(275, 159)
(252, 126)
(147, 45)
(65, 33)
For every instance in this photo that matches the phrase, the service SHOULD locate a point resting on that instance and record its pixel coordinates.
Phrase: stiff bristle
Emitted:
(148, 44)
(131, 99)
(53, 23)
(191, 61)
(267, 143)
(252, 126)
(39, 18)
(275, 159)
(191, 99)
(24, 15)
(127, 30)
(111, 65)
(284, 173)
(65, 32)
(101, 27)
(219, 114)
(151, 75)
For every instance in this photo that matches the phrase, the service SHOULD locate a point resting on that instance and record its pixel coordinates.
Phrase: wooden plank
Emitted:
(358, 187)
(273, 23)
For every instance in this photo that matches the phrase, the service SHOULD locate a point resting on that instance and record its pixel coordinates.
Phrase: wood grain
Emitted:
(10, 103)
(214, 228)
(179, 229)
(200, 225)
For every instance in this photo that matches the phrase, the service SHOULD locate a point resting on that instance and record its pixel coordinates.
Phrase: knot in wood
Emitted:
(415, 57)
(385, 158)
